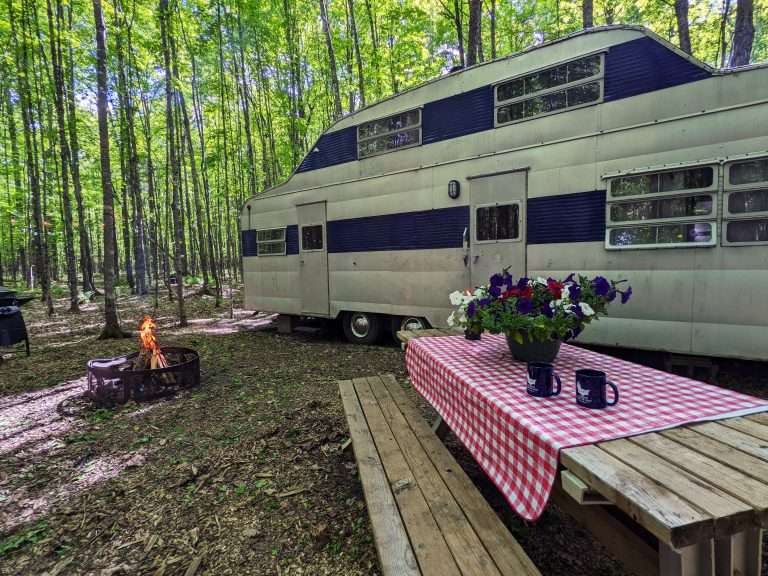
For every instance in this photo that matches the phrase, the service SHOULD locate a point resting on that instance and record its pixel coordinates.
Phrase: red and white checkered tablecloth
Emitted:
(479, 390)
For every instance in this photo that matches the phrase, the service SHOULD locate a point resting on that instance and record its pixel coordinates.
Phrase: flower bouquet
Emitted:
(535, 315)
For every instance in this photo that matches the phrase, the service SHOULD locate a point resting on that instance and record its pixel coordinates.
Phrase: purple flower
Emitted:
(625, 296)
(577, 311)
(522, 283)
(612, 295)
(509, 281)
(494, 291)
(574, 291)
(570, 277)
(601, 286)
(524, 306)
(483, 302)
(573, 333)
(546, 310)
(471, 310)
(497, 280)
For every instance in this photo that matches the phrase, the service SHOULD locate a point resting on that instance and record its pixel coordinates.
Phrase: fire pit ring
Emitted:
(113, 381)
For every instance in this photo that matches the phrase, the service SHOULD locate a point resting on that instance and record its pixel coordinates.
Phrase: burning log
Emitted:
(150, 355)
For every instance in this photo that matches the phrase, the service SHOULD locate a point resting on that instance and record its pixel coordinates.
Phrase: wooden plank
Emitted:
(395, 552)
(580, 492)
(729, 480)
(501, 545)
(740, 554)
(429, 546)
(694, 560)
(469, 552)
(716, 450)
(750, 427)
(760, 417)
(744, 442)
(730, 514)
(662, 512)
(405, 335)
(637, 551)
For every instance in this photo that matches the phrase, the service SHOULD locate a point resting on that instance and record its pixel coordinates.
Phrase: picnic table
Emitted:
(685, 500)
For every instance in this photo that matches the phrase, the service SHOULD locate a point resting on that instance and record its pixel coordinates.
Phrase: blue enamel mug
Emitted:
(591, 389)
(541, 380)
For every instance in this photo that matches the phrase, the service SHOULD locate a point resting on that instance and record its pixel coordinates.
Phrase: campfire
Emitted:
(149, 373)
(150, 356)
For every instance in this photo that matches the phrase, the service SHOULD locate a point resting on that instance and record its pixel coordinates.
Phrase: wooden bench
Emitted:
(427, 515)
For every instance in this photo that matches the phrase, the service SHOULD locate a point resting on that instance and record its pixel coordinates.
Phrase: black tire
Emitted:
(407, 323)
(362, 327)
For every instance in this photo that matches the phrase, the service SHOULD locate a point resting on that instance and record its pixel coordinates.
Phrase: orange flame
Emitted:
(149, 345)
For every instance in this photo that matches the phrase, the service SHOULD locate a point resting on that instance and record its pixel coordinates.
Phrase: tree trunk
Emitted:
(15, 163)
(86, 260)
(358, 57)
(743, 33)
(166, 33)
(493, 29)
(475, 26)
(111, 324)
(58, 82)
(723, 41)
(331, 61)
(459, 24)
(683, 33)
(587, 13)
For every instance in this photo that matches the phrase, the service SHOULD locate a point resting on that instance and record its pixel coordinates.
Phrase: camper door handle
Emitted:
(476, 258)
(301, 262)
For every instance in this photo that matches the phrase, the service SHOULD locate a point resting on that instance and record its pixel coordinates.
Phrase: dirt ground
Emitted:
(243, 475)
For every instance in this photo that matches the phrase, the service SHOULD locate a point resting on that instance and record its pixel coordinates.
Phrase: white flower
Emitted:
(586, 309)
(479, 291)
(451, 320)
(540, 280)
(457, 298)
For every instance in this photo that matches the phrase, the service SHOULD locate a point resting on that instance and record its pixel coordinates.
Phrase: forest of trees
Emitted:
(131, 131)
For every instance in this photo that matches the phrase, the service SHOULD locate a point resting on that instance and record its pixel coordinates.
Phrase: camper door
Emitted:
(313, 259)
(498, 225)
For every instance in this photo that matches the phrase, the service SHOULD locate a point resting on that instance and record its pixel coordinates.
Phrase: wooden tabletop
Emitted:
(684, 485)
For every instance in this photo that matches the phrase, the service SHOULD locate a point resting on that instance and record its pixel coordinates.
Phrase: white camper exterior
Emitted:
(607, 152)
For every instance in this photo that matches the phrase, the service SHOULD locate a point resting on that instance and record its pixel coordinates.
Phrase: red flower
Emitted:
(526, 292)
(556, 288)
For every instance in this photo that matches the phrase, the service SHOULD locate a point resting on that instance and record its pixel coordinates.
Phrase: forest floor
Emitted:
(243, 475)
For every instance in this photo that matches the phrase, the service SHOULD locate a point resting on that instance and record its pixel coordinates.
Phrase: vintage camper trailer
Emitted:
(606, 152)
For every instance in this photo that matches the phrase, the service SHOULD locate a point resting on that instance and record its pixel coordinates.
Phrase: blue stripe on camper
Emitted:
(458, 115)
(645, 65)
(248, 243)
(427, 229)
(576, 217)
(632, 68)
(332, 148)
(292, 239)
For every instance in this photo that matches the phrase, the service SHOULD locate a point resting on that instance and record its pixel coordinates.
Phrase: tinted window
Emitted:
(498, 222)
(748, 201)
(747, 231)
(689, 179)
(312, 237)
(270, 242)
(580, 69)
(663, 208)
(700, 232)
(749, 172)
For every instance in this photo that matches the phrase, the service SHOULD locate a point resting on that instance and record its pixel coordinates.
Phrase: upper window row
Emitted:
(389, 134)
(575, 83)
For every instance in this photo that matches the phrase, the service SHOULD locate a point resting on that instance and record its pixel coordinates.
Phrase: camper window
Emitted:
(497, 222)
(576, 83)
(661, 235)
(389, 134)
(640, 207)
(270, 242)
(745, 209)
(312, 237)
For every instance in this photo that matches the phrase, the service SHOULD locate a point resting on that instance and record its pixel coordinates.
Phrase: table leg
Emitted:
(440, 428)
(740, 554)
(695, 560)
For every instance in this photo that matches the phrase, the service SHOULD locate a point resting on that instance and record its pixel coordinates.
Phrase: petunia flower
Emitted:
(625, 296)
(601, 286)
(494, 291)
(586, 309)
(522, 283)
(612, 295)
(524, 306)
(547, 310)
(471, 310)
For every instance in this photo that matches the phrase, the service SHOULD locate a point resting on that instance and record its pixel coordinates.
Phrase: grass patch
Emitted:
(31, 535)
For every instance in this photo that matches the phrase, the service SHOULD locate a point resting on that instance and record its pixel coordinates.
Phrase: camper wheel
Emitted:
(362, 327)
(407, 323)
